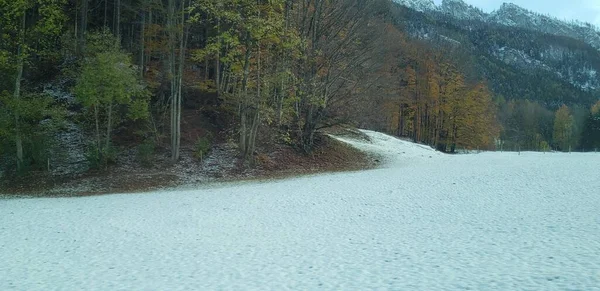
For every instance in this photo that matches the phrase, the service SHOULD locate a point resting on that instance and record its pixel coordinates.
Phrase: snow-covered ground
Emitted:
(425, 221)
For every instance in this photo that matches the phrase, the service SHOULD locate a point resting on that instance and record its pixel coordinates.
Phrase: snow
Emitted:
(424, 221)
(519, 58)
(461, 10)
(450, 40)
(395, 151)
(418, 5)
(511, 15)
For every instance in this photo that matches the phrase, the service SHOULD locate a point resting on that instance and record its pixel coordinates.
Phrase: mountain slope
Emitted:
(524, 55)
(511, 15)
(515, 16)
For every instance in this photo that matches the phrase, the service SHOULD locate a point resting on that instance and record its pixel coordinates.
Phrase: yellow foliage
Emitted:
(596, 108)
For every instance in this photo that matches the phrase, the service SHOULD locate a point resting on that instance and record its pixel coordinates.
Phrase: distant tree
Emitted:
(563, 129)
(476, 125)
(590, 139)
(596, 108)
(526, 125)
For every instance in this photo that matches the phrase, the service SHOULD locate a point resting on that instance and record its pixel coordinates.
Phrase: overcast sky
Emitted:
(583, 10)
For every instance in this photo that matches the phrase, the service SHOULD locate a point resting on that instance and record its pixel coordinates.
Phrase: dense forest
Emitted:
(534, 64)
(141, 73)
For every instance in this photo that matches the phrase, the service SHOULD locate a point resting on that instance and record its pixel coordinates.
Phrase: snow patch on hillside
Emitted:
(392, 149)
(519, 58)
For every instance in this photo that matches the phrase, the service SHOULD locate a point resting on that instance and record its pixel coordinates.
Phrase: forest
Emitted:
(140, 74)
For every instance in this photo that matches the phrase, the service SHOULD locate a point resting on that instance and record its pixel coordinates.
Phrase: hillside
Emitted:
(92, 89)
(509, 15)
(523, 55)
(534, 64)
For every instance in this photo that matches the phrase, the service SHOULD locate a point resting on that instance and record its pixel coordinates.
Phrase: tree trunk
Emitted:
(82, 26)
(308, 131)
(454, 133)
(171, 27)
(416, 124)
(218, 60)
(243, 132)
(280, 98)
(253, 135)
(180, 85)
(401, 120)
(118, 20)
(142, 43)
(97, 118)
(108, 127)
(17, 94)
(244, 103)
(105, 13)
(176, 72)
(256, 118)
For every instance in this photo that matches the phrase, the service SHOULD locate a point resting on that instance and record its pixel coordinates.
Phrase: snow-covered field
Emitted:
(425, 221)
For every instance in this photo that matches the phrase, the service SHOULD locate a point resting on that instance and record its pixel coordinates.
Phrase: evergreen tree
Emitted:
(590, 139)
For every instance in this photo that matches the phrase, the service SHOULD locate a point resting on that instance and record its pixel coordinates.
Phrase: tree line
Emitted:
(530, 126)
(279, 67)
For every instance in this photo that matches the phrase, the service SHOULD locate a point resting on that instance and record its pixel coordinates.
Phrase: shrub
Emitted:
(286, 138)
(102, 157)
(203, 146)
(544, 146)
(264, 160)
(39, 121)
(38, 150)
(145, 153)
(93, 156)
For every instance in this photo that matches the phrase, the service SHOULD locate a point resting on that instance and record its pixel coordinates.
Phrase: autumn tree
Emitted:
(476, 126)
(335, 41)
(563, 129)
(107, 83)
(595, 108)
(249, 37)
(436, 105)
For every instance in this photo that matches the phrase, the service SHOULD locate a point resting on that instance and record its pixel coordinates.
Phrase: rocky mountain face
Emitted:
(418, 5)
(513, 15)
(509, 14)
(461, 10)
(522, 53)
